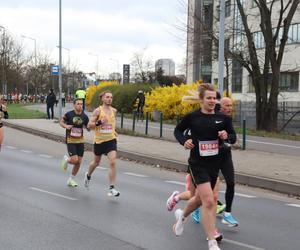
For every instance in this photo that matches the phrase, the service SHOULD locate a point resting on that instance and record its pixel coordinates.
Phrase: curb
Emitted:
(241, 178)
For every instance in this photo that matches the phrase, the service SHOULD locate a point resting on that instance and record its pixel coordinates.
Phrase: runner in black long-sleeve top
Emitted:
(207, 132)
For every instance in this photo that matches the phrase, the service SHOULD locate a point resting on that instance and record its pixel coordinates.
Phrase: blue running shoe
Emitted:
(229, 220)
(196, 215)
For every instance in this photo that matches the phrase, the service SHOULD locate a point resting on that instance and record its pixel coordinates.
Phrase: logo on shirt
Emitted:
(77, 121)
(217, 122)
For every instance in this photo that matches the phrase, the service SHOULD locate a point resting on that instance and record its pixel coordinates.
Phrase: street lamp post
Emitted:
(97, 65)
(68, 68)
(221, 46)
(60, 64)
(35, 64)
(4, 87)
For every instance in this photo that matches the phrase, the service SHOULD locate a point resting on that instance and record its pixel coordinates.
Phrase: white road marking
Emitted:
(176, 182)
(102, 168)
(137, 175)
(26, 151)
(273, 144)
(11, 147)
(241, 195)
(54, 194)
(45, 156)
(243, 244)
(293, 205)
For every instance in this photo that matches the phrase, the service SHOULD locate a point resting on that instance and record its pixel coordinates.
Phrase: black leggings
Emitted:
(228, 173)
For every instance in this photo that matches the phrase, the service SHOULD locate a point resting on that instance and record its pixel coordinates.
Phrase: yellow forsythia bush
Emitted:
(91, 90)
(168, 100)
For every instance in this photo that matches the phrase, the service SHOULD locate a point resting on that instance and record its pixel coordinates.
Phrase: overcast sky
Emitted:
(112, 29)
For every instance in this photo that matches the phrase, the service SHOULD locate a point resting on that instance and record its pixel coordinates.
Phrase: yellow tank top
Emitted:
(105, 132)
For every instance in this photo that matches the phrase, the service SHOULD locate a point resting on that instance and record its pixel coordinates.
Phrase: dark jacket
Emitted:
(51, 99)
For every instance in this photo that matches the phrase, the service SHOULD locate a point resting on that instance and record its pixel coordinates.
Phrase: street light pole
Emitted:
(35, 63)
(4, 88)
(68, 68)
(221, 47)
(60, 65)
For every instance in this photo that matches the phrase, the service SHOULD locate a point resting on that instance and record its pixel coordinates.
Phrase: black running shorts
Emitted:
(202, 173)
(75, 149)
(105, 147)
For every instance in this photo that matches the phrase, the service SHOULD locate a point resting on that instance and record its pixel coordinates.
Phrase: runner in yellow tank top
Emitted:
(103, 120)
(106, 131)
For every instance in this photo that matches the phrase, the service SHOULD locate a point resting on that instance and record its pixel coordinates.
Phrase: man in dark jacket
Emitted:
(51, 99)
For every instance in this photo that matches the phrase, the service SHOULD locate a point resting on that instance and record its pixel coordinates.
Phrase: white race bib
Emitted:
(106, 129)
(209, 148)
(76, 132)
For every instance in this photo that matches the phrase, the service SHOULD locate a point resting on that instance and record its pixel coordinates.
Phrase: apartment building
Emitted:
(240, 83)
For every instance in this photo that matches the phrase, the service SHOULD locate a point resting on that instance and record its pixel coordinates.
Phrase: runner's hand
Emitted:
(104, 120)
(223, 135)
(69, 127)
(189, 144)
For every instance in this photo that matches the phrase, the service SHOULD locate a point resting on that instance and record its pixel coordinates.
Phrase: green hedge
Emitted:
(123, 95)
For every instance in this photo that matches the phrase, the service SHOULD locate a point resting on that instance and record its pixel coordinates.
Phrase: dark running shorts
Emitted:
(75, 149)
(204, 173)
(105, 147)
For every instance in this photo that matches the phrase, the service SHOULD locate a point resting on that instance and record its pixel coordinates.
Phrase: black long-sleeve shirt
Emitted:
(204, 130)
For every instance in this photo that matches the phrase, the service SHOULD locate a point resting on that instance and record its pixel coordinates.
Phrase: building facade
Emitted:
(199, 43)
(167, 65)
(239, 81)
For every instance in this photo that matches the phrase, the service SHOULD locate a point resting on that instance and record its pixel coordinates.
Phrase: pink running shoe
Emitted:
(217, 235)
(171, 202)
(188, 181)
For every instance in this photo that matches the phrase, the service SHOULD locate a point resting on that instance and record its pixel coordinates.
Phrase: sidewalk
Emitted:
(254, 168)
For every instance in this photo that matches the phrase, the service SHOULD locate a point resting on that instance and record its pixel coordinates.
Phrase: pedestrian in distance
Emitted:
(63, 99)
(139, 101)
(207, 130)
(103, 121)
(74, 121)
(3, 114)
(50, 101)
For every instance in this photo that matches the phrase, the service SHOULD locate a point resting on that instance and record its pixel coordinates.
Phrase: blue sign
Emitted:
(55, 70)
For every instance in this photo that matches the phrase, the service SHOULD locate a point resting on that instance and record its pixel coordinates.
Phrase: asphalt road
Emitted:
(38, 210)
(264, 144)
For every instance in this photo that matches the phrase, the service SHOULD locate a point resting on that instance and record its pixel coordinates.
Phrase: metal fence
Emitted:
(288, 115)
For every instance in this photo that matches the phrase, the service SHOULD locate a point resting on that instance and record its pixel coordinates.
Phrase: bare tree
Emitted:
(263, 66)
(142, 67)
(259, 71)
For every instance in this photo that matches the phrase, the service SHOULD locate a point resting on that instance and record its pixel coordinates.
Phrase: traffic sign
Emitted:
(55, 70)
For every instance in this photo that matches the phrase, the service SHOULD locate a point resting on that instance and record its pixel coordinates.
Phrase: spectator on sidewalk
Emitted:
(63, 99)
(50, 101)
